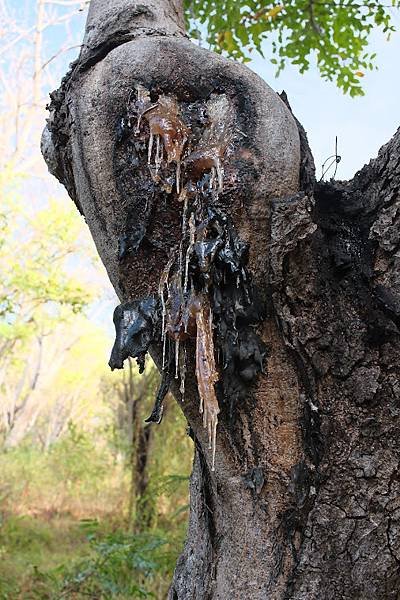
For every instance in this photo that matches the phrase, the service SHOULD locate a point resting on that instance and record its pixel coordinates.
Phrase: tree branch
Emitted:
(109, 26)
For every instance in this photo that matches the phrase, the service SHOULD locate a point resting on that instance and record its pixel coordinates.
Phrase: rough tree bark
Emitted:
(304, 500)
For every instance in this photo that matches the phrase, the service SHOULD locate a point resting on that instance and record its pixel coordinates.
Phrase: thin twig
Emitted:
(313, 22)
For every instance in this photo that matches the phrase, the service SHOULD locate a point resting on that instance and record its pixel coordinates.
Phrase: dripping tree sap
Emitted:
(193, 140)
(269, 302)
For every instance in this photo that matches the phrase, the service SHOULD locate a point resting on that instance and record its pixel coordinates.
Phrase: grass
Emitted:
(63, 523)
(34, 550)
(59, 557)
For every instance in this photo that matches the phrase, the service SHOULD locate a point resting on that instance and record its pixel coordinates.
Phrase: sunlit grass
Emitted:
(64, 530)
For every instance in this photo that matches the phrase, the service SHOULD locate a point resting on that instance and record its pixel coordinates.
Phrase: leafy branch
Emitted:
(333, 34)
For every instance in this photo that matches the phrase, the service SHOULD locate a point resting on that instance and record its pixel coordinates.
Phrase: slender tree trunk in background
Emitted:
(304, 499)
(144, 507)
(140, 437)
(130, 402)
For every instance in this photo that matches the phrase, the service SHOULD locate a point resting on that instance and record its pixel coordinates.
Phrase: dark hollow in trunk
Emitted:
(304, 499)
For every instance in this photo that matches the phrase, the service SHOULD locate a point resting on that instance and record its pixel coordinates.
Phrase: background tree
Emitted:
(37, 297)
(131, 398)
(303, 499)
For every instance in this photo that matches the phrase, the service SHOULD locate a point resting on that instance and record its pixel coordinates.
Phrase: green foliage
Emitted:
(47, 283)
(333, 33)
(124, 566)
(38, 285)
(63, 516)
(62, 559)
(77, 475)
(79, 463)
(27, 544)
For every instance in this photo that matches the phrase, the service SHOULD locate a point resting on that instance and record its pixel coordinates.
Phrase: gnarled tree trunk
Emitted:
(303, 502)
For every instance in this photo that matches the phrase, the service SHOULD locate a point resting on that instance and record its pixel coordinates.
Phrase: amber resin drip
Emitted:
(206, 372)
(192, 317)
(168, 132)
(197, 146)
(187, 314)
(170, 140)
(205, 293)
(212, 147)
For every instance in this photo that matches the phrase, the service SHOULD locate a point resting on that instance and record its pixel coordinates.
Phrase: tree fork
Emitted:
(303, 500)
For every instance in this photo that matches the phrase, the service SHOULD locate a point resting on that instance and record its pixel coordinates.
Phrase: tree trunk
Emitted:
(303, 502)
(140, 436)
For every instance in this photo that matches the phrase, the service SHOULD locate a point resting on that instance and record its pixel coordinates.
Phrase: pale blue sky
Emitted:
(362, 125)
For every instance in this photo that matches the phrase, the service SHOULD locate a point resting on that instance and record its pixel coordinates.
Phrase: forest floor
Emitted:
(52, 557)
(35, 551)
(65, 531)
